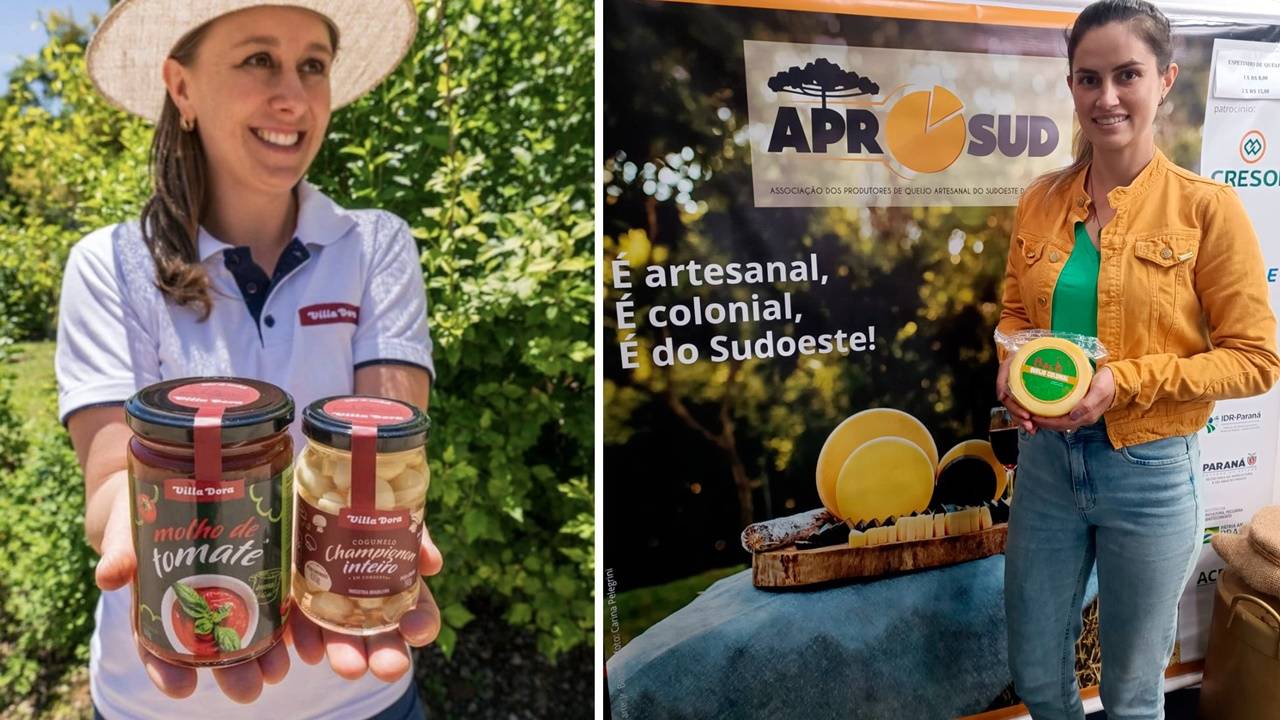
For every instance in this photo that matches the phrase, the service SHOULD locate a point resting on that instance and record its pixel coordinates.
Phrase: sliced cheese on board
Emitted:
(970, 474)
(885, 477)
(856, 431)
(1049, 376)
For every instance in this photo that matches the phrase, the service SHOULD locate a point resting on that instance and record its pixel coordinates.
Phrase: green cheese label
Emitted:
(1050, 375)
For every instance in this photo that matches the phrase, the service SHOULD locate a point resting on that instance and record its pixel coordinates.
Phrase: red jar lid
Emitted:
(249, 409)
(400, 426)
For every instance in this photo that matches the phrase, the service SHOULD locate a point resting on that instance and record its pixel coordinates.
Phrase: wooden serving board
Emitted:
(788, 567)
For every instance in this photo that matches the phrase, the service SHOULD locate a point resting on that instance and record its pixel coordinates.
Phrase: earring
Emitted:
(187, 124)
(1162, 99)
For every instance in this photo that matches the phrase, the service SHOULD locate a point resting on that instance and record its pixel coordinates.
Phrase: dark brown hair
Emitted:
(171, 217)
(1146, 22)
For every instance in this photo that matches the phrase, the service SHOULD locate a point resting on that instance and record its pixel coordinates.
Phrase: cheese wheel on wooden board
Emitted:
(970, 474)
(857, 430)
(885, 477)
(1049, 376)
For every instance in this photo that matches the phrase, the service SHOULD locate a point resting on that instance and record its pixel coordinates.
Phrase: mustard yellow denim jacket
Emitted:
(1183, 305)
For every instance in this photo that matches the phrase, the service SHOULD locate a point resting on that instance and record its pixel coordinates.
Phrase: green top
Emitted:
(1075, 299)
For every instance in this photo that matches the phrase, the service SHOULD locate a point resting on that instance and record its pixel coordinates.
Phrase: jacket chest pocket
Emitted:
(1161, 281)
(1042, 261)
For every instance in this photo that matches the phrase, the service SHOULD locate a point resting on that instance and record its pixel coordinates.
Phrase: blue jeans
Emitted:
(1136, 513)
(407, 707)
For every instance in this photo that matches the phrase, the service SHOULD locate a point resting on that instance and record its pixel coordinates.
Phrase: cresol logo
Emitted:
(1253, 147)
(925, 131)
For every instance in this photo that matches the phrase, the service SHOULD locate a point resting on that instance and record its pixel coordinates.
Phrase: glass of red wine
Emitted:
(1003, 433)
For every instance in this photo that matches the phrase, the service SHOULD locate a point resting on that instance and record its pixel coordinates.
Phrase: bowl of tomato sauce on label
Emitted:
(209, 615)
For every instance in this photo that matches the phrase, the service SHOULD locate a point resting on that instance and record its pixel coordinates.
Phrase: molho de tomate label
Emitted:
(213, 561)
(832, 125)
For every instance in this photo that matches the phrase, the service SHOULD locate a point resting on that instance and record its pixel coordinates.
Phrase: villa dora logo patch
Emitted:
(832, 125)
(328, 314)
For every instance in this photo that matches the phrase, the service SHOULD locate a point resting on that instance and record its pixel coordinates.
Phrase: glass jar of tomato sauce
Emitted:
(362, 488)
(210, 475)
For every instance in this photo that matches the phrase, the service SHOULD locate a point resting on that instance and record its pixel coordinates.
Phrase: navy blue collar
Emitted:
(255, 286)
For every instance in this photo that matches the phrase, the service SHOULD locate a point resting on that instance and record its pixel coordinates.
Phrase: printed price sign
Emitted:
(1248, 74)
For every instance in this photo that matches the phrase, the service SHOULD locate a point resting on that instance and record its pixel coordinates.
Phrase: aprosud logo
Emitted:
(1253, 146)
(926, 130)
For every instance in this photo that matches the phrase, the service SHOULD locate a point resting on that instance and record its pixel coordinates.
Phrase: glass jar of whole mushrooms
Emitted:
(362, 487)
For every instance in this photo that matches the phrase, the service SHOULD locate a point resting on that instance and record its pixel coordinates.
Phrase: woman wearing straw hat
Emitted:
(215, 279)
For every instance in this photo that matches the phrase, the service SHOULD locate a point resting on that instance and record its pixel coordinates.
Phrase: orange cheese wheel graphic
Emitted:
(925, 130)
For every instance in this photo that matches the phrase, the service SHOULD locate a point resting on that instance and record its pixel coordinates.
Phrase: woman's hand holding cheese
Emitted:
(1019, 413)
(1102, 392)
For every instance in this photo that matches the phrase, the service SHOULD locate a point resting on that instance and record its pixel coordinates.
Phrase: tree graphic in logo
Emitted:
(822, 79)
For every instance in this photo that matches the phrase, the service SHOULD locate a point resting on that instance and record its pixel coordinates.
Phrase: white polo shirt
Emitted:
(348, 291)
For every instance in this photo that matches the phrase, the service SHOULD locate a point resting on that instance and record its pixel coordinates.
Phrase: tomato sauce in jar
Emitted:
(211, 477)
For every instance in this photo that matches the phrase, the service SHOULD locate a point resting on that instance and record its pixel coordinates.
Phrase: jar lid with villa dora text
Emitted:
(400, 426)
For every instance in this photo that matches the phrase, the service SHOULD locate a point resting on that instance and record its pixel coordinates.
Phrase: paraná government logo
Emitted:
(924, 130)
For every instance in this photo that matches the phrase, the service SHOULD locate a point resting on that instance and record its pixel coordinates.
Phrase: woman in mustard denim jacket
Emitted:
(1164, 268)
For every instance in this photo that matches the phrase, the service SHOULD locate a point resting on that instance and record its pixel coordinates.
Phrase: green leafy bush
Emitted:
(47, 592)
(46, 570)
(68, 164)
(482, 141)
(13, 444)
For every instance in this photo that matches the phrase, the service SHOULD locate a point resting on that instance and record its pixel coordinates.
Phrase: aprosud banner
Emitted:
(807, 214)
(840, 125)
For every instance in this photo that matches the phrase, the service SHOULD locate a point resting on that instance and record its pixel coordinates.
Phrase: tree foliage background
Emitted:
(482, 141)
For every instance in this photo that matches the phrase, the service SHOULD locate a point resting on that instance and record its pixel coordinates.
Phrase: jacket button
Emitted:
(1079, 202)
(1054, 256)
(1042, 300)
(1166, 253)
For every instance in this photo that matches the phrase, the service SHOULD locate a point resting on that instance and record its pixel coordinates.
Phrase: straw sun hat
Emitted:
(127, 52)
(1255, 552)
